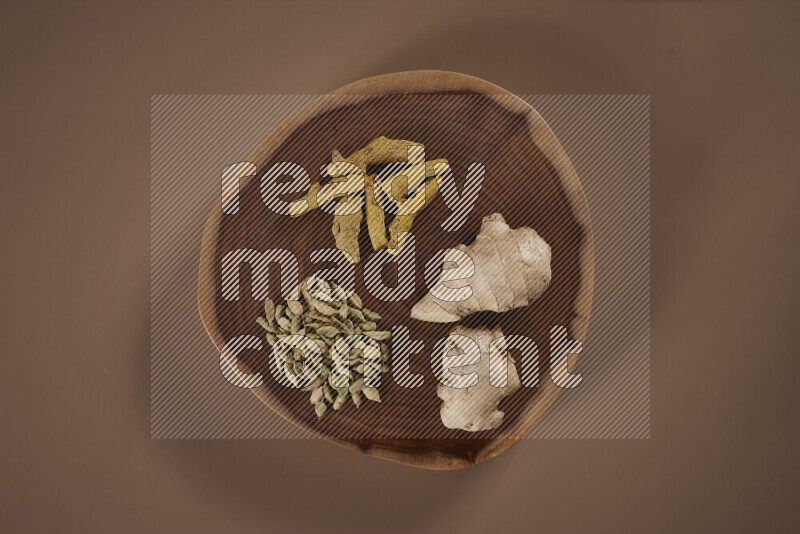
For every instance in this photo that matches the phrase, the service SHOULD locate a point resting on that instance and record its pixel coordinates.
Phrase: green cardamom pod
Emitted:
(371, 393)
(357, 398)
(339, 402)
(356, 386)
(370, 315)
(327, 331)
(315, 384)
(269, 310)
(355, 300)
(295, 307)
(327, 392)
(356, 315)
(379, 335)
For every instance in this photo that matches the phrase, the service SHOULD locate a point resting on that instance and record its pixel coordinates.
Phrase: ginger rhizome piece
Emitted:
(472, 388)
(509, 269)
(410, 190)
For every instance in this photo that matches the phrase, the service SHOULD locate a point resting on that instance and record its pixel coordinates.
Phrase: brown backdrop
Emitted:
(77, 81)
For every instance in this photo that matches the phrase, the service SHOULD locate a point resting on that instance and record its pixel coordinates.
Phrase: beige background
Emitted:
(75, 211)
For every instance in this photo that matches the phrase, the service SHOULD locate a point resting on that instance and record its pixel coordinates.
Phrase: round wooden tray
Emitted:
(529, 179)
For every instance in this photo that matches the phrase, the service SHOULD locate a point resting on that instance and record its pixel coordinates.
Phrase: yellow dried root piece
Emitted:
(378, 151)
(318, 195)
(376, 217)
(401, 185)
(407, 211)
(381, 150)
(349, 179)
(306, 203)
(347, 225)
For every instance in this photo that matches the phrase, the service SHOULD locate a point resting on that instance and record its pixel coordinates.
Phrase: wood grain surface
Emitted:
(529, 179)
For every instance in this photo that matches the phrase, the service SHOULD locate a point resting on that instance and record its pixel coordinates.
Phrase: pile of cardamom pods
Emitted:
(351, 353)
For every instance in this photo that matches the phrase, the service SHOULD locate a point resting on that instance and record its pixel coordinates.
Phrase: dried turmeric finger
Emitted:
(347, 225)
(385, 150)
(318, 194)
(376, 223)
(399, 186)
(407, 211)
(306, 203)
(378, 151)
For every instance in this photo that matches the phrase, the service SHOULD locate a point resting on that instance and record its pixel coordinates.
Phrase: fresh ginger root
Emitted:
(474, 408)
(350, 180)
(511, 269)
